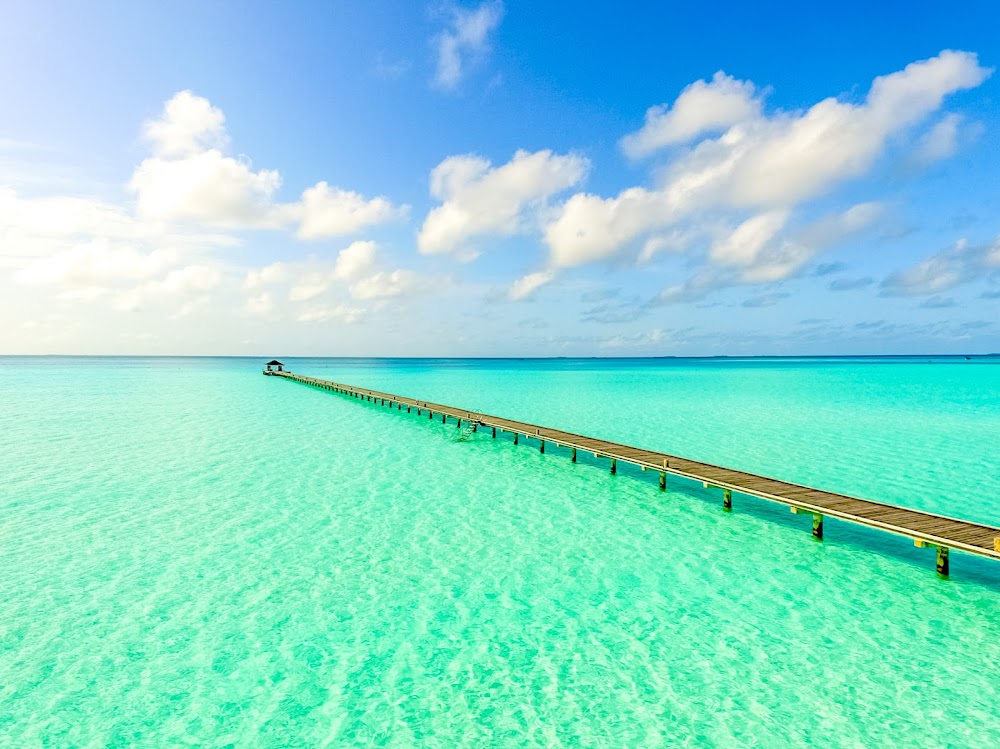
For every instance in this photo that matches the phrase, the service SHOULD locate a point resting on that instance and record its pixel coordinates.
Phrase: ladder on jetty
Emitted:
(928, 530)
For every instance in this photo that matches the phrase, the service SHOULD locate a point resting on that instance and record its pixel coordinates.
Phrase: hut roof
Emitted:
(273, 362)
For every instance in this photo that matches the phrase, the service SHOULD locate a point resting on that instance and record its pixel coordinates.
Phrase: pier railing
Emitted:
(926, 529)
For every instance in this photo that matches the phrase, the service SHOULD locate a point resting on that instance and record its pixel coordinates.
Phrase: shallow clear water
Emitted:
(195, 555)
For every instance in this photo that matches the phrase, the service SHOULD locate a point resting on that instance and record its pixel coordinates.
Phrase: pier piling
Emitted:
(943, 565)
(925, 528)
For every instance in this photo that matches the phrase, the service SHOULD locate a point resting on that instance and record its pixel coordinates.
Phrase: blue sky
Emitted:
(499, 179)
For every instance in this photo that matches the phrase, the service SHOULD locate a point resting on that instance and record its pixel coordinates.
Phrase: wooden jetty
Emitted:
(926, 529)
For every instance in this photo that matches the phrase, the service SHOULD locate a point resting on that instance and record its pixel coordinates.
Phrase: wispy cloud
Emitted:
(959, 264)
(938, 302)
(465, 39)
(390, 70)
(850, 284)
(765, 300)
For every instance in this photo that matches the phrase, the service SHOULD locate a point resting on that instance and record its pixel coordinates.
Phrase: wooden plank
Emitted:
(970, 536)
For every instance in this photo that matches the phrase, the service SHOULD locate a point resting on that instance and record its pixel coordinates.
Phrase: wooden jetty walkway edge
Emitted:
(925, 528)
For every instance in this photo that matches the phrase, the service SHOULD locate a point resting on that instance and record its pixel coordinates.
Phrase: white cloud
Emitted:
(467, 35)
(189, 124)
(95, 263)
(354, 273)
(84, 251)
(190, 180)
(330, 212)
(184, 288)
(310, 285)
(959, 264)
(590, 228)
(478, 198)
(701, 107)
(761, 250)
(206, 188)
(340, 313)
(354, 260)
(313, 278)
(527, 285)
(385, 284)
(261, 305)
(192, 279)
(673, 240)
(938, 143)
(782, 256)
(269, 274)
(744, 244)
(760, 164)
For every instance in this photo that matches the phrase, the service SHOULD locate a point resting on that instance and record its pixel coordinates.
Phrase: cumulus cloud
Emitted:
(207, 188)
(467, 36)
(190, 179)
(354, 260)
(478, 198)
(386, 284)
(330, 211)
(189, 125)
(95, 263)
(761, 164)
(315, 277)
(702, 107)
(354, 273)
(269, 274)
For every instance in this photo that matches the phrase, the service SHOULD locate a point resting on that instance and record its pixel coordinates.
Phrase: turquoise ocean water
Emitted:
(192, 554)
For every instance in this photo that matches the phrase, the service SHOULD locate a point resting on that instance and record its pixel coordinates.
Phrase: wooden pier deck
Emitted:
(925, 528)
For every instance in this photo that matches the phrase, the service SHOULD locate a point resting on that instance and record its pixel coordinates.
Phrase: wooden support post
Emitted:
(817, 526)
(475, 426)
(515, 437)
(943, 566)
(407, 409)
(573, 457)
(458, 423)
(494, 432)
(541, 447)
(614, 465)
(444, 418)
(727, 499)
(663, 481)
